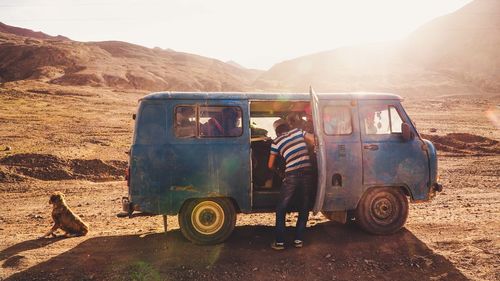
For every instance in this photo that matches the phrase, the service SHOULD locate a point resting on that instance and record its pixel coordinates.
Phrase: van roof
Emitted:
(268, 96)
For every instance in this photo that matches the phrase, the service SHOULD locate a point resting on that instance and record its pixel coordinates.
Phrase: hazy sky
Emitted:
(254, 33)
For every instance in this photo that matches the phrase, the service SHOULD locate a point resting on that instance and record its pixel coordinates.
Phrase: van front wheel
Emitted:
(208, 220)
(382, 210)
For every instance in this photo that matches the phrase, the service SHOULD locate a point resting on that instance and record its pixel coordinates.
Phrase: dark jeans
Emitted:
(299, 183)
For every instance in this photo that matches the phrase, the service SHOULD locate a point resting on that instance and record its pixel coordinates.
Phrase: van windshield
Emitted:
(263, 126)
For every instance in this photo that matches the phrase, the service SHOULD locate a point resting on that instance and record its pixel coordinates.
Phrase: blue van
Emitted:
(203, 157)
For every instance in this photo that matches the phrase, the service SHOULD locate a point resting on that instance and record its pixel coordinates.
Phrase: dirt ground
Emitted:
(73, 140)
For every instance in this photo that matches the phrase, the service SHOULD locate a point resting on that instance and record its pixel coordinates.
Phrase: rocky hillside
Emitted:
(456, 52)
(25, 54)
(459, 52)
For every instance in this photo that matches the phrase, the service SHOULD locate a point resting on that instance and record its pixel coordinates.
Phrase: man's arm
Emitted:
(270, 163)
(309, 139)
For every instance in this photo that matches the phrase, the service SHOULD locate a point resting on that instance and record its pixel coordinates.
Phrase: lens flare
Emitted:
(494, 116)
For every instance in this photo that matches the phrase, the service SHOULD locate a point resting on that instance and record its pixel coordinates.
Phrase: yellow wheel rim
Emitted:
(207, 217)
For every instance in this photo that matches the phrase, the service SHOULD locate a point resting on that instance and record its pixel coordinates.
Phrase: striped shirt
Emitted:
(292, 146)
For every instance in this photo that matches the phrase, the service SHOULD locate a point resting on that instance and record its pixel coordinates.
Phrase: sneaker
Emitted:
(298, 243)
(278, 246)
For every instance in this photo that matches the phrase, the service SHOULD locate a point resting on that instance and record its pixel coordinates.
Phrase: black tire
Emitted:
(208, 220)
(382, 210)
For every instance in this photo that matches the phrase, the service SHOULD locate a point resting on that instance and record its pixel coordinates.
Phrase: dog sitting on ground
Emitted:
(65, 219)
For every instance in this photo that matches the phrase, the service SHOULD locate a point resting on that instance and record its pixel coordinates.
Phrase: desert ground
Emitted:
(74, 139)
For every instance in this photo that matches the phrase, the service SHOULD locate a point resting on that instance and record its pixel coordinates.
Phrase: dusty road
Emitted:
(454, 237)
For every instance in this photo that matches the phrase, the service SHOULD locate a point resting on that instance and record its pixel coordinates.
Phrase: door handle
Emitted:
(370, 146)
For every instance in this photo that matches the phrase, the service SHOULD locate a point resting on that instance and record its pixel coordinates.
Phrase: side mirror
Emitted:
(134, 116)
(407, 133)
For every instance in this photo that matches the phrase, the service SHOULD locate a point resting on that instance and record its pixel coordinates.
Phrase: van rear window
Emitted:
(151, 127)
(211, 121)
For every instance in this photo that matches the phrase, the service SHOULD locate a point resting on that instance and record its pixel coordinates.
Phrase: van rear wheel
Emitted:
(208, 220)
(382, 210)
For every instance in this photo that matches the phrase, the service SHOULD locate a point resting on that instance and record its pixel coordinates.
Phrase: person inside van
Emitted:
(185, 126)
(230, 122)
(291, 144)
(295, 120)
(212, 128)
(301, 119)
(223, 122)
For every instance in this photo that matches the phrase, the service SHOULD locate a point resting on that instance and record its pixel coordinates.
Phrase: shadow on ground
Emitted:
(26, 246)
(11, 254)
(331, 252)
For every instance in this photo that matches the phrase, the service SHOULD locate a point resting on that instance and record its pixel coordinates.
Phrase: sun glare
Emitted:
(256, 34)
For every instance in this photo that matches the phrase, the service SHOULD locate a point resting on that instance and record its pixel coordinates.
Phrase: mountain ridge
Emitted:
(114, 64)
(4, 28)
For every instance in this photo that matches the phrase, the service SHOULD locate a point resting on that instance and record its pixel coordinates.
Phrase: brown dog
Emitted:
(65, 219)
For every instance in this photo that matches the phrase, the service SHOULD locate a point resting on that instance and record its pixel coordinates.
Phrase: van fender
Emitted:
(187, 200)
(403, 187)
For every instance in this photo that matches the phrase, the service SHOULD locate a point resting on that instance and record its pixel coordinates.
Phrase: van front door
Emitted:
(340, 132)
(389, 160)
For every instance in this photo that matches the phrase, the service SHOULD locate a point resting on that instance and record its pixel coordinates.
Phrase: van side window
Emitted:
(152, 125)
(185, 122)
(220, 121)
(381, 120)
(396, 120)
(337, 120)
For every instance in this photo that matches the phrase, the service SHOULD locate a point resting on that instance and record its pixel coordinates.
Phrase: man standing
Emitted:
(291, 145)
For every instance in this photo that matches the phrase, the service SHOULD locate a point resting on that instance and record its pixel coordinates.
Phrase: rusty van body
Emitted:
(203, 157)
